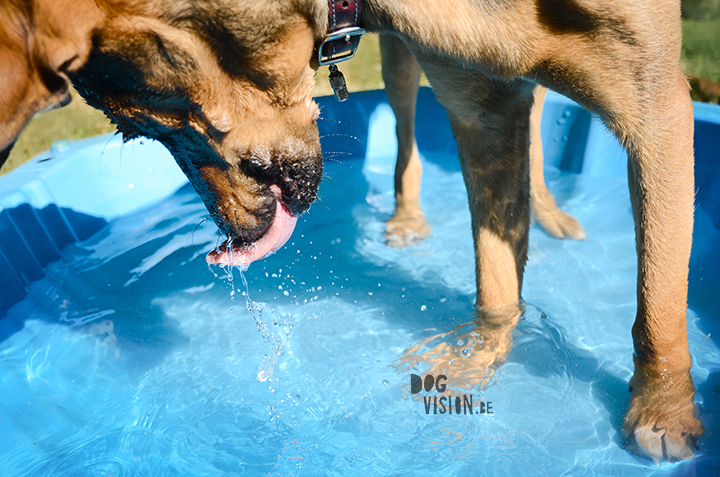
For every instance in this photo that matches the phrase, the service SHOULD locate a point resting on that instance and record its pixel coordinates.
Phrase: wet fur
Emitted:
(226, 86)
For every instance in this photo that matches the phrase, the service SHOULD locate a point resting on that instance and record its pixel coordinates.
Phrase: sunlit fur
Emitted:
(225, 85)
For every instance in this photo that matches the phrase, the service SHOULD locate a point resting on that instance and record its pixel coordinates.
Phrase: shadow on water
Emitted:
(93, 279)
(31, 238)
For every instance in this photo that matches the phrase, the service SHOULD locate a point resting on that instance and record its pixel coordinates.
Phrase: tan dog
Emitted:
(226, 86)
(401, 74)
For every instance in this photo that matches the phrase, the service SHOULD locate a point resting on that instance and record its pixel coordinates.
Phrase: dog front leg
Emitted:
(401, 74)
(490, 119)
(660, 421)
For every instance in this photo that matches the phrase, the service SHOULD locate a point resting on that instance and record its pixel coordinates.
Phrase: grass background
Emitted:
(700, 57)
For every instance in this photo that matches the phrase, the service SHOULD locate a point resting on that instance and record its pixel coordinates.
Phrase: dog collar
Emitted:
(342, 41)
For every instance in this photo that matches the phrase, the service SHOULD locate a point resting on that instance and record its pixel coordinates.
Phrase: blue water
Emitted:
(132, 357)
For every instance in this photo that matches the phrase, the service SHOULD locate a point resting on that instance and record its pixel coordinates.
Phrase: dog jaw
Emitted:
(231, 253)
(272, 164)
(256, 197)
(253, 193)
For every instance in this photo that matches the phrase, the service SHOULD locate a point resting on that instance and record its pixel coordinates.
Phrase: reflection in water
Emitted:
(470, 353)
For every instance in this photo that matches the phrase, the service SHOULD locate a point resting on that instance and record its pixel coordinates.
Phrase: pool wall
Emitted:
(70, 192)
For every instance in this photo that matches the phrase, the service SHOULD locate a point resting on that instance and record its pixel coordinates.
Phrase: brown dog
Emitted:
(401, 74)
(226, 86)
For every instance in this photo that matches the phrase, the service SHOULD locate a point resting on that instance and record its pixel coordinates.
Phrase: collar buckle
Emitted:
(340, 45)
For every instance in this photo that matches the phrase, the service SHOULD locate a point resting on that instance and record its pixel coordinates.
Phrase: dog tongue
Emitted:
(280, 231)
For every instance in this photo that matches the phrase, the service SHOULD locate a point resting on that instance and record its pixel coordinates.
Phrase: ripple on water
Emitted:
(296, 373)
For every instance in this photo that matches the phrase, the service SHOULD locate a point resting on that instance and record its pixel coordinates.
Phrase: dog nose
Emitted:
(240, 197)
(297, 178)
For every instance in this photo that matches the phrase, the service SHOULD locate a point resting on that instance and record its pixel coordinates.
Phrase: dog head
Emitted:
(226, 86)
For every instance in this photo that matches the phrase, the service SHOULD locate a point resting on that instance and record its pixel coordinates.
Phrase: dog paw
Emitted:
(405, 230)
(661, 422)
(555, 222)
(470, 353)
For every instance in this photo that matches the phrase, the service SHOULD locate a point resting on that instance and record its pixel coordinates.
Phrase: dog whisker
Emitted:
(338, 161)
(197, 226)
(343, 135)
(331, 178)
(341, 123)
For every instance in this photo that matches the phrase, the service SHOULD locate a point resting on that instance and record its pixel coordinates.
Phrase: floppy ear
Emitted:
(14, 77)
(40, 42)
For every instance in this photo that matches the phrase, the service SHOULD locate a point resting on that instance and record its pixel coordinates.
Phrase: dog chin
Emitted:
(242, 255)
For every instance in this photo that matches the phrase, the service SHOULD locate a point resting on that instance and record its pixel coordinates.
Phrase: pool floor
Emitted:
(132, 357)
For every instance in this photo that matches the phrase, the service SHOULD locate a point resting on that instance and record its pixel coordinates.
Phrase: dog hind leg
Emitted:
(401, 74)
(544, 208)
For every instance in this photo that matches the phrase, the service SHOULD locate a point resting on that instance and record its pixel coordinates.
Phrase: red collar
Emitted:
(343, 32)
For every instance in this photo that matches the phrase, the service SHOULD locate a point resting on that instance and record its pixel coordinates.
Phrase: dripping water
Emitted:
(276, 341)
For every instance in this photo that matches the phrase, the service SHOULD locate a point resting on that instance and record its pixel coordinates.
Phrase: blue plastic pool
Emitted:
(123, 354)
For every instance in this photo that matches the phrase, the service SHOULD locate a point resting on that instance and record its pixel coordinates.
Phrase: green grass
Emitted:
(701, 57)
(701, 49)
(361, 73)
(75, 121)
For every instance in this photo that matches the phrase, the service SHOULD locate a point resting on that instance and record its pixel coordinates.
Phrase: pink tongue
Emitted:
(280, 231)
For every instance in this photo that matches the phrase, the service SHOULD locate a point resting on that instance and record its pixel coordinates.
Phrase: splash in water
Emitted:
(278, 340)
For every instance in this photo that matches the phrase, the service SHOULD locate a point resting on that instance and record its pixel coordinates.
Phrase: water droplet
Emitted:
(466, 352)
(460, 342)
(262, 375)
(385, 382)
(423, 308)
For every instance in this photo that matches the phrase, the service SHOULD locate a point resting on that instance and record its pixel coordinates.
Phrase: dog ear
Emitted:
(40, 42)
(14, 77)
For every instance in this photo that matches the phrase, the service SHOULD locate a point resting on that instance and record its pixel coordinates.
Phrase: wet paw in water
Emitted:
(661, 422)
